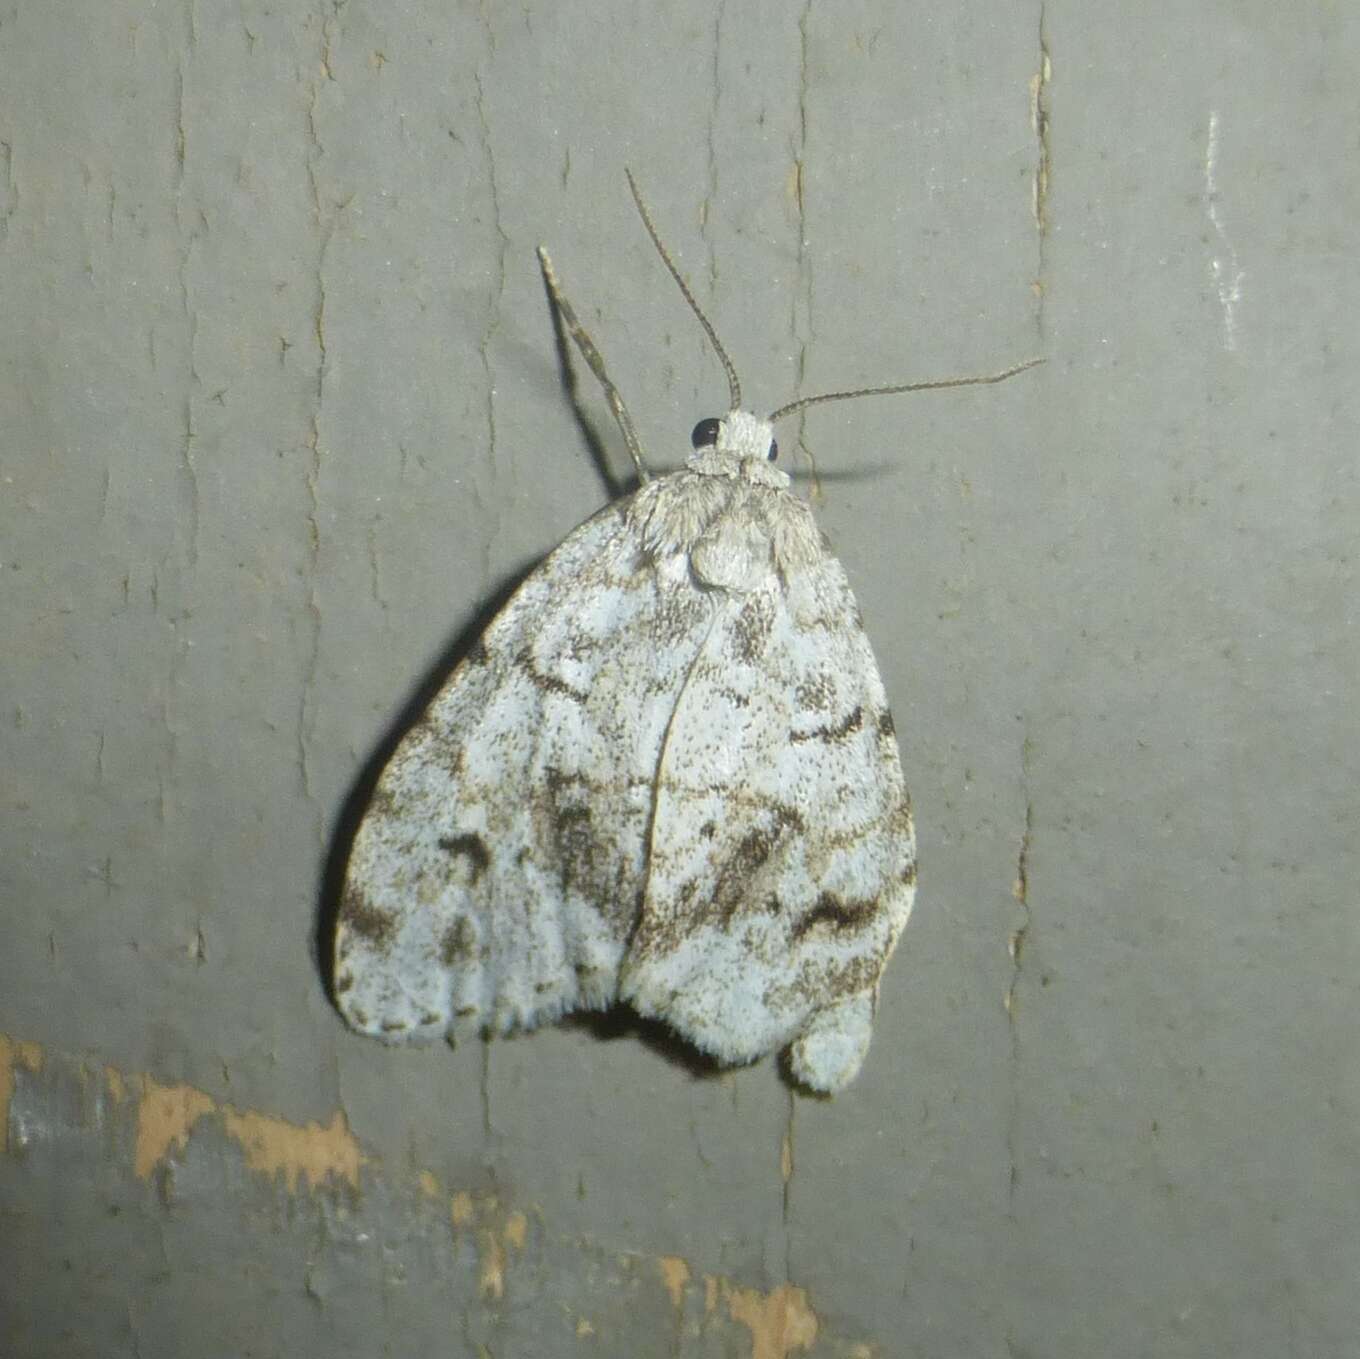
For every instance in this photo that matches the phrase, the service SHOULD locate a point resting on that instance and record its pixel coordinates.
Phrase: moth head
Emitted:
(745, 436)
(738, 433)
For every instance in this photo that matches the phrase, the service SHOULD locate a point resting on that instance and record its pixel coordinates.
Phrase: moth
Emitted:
(666, 775)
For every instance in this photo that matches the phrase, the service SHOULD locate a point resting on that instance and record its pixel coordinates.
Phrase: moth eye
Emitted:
(774, 450)
(705, 433)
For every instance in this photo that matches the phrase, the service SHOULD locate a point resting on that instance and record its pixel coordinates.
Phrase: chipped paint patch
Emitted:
(15, 1052)
(780, 1321)
(675, 1275)
(274, 1147)
(166, 1116)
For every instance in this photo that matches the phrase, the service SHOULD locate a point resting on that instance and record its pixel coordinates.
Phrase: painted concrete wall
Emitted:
(282, 417)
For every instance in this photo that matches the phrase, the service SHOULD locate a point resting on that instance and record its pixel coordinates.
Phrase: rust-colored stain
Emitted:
(675, 1275)
(584, 1330)
(711, 1282)
(786, 1158)
(429, 1186)
(461, 1208)
(493, 1243)
(793, 185)
(14, 1051)
(491, 1276)
(780, 1321)
(113, 1078)
(166, 1115)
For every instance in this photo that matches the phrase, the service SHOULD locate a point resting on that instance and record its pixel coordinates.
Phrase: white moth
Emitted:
(666, 775)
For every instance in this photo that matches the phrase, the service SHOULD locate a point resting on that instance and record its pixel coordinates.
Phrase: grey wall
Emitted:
(282, 416)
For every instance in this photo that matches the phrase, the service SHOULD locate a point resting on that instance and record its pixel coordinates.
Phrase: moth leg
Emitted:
(593, 357)
(830, 1051)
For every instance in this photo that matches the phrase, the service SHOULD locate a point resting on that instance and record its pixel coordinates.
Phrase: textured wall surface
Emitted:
(282, 418)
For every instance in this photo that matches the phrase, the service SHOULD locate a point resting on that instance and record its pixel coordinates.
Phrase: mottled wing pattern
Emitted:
(497, 875)
(782, 862)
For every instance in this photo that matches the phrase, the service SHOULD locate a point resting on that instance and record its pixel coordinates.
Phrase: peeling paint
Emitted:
(168, 1113)
(780, 1321)
(675, 1275)
(15, 1051)
(1227, 272)
(166, 1116)
(275, 1147)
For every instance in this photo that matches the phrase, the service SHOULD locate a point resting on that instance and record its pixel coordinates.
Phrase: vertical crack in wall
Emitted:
(325, 221)
(786, 1167)
(711, 168)
(188, 489)
(801, 298)
(134, 1331)
(1039, 122)
(493, 320)
(1015, 946)
(484, 1089)
(374, 564)
(189, 485)
(9, 190)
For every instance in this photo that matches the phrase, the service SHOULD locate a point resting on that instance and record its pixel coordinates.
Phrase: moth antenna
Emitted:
(593, 357)
(733, 382)
(804, 402)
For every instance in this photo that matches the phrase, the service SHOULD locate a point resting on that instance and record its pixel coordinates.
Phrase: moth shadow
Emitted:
(615, 486)
(619, 1022)
(361, 791)
(814, 476)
